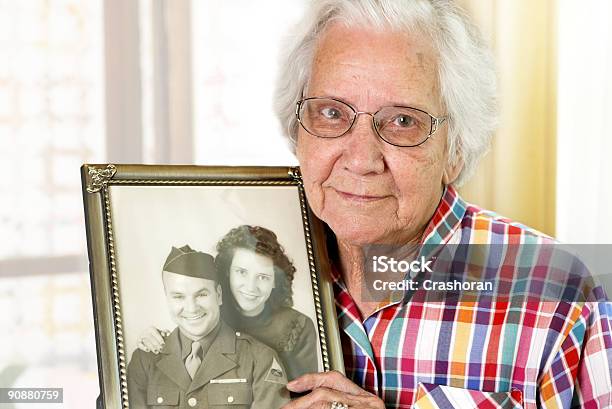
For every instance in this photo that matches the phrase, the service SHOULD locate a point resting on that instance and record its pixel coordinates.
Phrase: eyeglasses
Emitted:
(397, 125)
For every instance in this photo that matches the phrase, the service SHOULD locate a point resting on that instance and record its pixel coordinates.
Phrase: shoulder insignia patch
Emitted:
(276, 374)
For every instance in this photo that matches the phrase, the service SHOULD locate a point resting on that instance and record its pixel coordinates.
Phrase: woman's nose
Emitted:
(363, 147)
(251, 282)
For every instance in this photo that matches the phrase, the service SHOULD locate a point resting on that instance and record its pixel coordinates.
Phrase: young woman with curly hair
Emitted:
(256, 277)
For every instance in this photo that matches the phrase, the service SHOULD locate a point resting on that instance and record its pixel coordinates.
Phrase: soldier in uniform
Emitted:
(204, 363)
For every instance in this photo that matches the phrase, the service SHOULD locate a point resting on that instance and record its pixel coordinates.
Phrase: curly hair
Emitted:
(261, 241)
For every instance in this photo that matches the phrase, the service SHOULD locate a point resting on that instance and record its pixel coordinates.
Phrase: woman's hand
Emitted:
(330, 387)
(152, 339)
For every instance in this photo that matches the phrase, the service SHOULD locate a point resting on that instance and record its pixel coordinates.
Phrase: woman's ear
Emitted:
(452, 170)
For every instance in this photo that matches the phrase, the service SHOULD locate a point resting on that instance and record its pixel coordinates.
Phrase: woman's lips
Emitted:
(250, 297)
(359, 198)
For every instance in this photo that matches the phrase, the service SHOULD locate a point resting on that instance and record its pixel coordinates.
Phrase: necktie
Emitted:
(193, 361)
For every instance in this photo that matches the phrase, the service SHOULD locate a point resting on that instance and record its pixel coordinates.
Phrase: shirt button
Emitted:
(192, 402)
(237, 333)
(230, 399)
(160, 399)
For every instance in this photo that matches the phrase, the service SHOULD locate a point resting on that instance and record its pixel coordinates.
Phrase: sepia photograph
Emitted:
(205, 276)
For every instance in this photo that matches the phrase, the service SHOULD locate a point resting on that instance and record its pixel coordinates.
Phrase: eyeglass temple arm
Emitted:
(436, 122)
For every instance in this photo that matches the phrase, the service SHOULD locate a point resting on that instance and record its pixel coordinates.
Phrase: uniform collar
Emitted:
(205, 342)
(219, 359)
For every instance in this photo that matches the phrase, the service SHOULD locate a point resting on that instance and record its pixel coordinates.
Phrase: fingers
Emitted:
(152, 340)
(142, 346)
(332, 380)
(329, 387)
(155, 336)
(152, 345)
(321, 398)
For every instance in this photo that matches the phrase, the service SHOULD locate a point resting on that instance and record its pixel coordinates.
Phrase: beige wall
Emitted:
(517, 178)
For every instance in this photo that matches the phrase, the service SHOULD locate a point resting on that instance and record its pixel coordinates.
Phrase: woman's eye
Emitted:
(264, 278)
(404, 121)
(241, 272)
(202, 295)
(331, 113)
(178, 297)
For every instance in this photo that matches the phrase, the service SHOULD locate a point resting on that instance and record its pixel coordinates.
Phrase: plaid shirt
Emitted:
(472, 354)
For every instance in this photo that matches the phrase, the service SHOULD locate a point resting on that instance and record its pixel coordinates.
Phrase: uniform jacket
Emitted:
(236, 372)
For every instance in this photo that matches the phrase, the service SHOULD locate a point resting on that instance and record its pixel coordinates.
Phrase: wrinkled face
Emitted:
(366, 190)
(193, 303)
(251, 280)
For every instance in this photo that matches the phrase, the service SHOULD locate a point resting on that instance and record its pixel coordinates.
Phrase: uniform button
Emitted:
(230, 399)
(160, 399)
(192, 402)
(237, 333)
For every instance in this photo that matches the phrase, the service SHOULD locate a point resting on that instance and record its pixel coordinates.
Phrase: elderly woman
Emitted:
(389, 105)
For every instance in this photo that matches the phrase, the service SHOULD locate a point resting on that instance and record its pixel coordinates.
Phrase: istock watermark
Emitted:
(431, 285)
(384, 264)
(506, 272)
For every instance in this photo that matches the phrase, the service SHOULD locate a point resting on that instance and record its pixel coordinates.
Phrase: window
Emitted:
(110, 81)
(233, 80)
(51, 121)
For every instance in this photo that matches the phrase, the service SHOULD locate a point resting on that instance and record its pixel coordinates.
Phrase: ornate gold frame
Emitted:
(96, 179)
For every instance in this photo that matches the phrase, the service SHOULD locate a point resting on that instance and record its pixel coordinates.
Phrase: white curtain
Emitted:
(584, 165)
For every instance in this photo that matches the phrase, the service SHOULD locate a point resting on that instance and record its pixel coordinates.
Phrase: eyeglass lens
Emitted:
(401, 126)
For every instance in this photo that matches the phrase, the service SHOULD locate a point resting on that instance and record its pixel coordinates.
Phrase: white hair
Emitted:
(466, 74)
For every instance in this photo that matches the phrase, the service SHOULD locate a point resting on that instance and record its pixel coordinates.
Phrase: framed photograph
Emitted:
(210, 285)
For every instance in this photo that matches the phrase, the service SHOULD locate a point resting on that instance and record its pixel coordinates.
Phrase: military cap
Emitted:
(189, 262)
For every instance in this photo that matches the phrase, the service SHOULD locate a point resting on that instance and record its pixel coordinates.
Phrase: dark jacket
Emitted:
(289, 332)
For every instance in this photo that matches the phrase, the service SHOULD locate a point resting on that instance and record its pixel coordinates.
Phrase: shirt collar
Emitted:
(446, 218)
